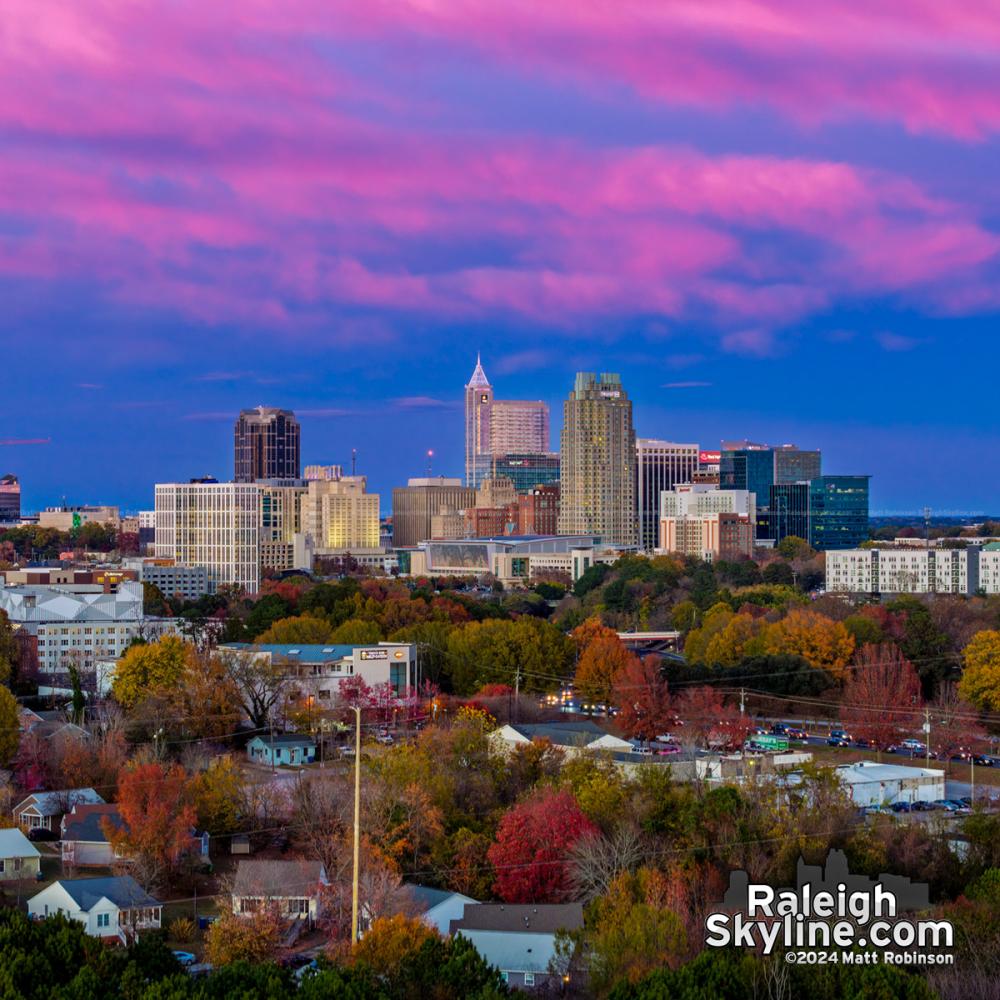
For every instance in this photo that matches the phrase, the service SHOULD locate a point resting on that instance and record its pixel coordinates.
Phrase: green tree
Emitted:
(300, 629)
(356, 632)
(154, 666)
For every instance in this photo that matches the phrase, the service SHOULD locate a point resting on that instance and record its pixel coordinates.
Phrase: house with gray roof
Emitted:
(84, 841)
(19, 858)
(45, 809)
(519, 939)
(293, 886)
(438, 907)
(115, 908)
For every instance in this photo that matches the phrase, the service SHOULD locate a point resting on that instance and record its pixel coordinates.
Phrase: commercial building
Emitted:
(324, 472)
(659, 466)
(538, 511)
(316, 670)
(598, 460)
(10, 499)
(186, 582)
(910, 571)
(415, 504)
(495, 427)
(838, 511)
(340, 514)
(745, 465)
(510, 558)
(699, 520)
(266, 445)
(78, 624)
(526, 470)
(215, 525)
(871, 784)
(68, 518)
(989, 568)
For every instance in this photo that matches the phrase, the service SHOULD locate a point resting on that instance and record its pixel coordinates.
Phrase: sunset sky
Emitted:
(776, 220)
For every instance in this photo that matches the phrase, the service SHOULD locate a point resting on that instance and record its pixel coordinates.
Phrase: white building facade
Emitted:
(912, 571)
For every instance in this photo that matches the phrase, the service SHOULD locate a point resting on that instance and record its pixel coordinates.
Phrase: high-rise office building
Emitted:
(829, 512)
(744, 465)
(266, 445)
(526, 470)
(659, 466)
(341, 515)
(498, 427)
(538, 511)
(597, 461)
(415, 504)
(10, 498)
(698, 519)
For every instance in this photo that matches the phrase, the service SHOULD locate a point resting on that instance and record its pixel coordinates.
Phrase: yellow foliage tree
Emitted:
(390, 941)
(980, 683)
(303, 629)
(216, 794)
(150, 667)
(823, 643)
(716, 619)
(253, 938)
(743, 636)
(586, 632)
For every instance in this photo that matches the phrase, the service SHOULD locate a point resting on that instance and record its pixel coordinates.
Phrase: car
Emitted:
(779, 729)
(876, 810)
(794, 733)
(912, 744)
(838, 741)
(641, 749)
(347, 750)
(946, 804)
(41, 833)
(961, 754)
(960, 807)
(863, 744)
(668, 751)
(186, 958)
(385, 739)
(921, 806)
(981, 760)
(900, 807)
(758, 731)
(965, 800)
(304, 970)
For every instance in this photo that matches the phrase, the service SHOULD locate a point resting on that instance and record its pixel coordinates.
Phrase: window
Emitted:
(2, 866)
(298, 906)
(529, 979)
(103, 919)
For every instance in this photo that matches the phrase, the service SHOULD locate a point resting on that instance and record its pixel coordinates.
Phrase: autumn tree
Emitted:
(247, 937)
(709, 721)
(531, 852)
(881, 696)
(642, 698)
(603, 660)
(158, 820)
(148, 667)
(715, 619)
(208, 698)
(390, 941)
(980, 683)
(217, 795)
(10, 719)
(303, 629)
(824, 643)
(631, 931)
(740, 638)
(589, 630)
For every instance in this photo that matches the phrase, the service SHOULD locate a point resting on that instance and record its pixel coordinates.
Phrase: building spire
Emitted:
(479, 379)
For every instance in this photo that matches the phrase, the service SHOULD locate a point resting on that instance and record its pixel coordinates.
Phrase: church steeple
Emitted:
(479, 379)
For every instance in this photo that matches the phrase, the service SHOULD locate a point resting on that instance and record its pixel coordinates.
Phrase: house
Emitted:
(437, 907)
(44, 810)
(282, 748)
(84, 841)
(294, 886)
(19, 858)
(520, 940)
(115, 908)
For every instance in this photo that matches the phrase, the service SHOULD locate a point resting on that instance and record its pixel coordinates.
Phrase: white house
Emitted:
(520, 940)
(44, 810)
(570, 737)
(19, 858)
(293, 886)
(83, 840)
(437, 907)
(114, 908)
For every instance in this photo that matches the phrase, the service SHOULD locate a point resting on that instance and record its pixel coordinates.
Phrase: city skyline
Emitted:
(442, 420)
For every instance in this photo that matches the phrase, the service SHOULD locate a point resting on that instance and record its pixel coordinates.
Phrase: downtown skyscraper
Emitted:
(598, 461)
(495, 428)
(266, 445)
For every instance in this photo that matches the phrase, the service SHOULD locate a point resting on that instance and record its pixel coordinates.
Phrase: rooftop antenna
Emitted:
(430, 459)
(354, 461)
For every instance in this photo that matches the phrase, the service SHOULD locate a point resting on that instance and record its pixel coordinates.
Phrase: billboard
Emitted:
(374, 654)
(709, 457)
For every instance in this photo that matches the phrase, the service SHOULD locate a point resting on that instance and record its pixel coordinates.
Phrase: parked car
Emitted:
(668, 751)
(347, 750)
(946, 804)
(186, 958)
(876, 810)
(922, 806)
(900, 807)
(41, 833)
(642, 749)
(385, 739)
(965, 800)
(912, 744)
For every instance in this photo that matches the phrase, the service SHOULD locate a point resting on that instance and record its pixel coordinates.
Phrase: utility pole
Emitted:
(517, 687)
(270, 722)
(742, 702)
(357, 825)
(927, 735)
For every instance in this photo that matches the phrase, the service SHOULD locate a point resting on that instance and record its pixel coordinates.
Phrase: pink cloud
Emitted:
(201, 159)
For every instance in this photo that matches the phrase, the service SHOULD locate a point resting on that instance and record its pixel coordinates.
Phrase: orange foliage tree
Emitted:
(643, 699)
(152, 800)
(249, 937)
(881, 695)
(825, 644)
(603, 659)
(390, 941)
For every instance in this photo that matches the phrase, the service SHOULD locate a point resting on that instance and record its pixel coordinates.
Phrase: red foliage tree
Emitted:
(643, 700)
(881, 696)
(709, 721)
(530, 853)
